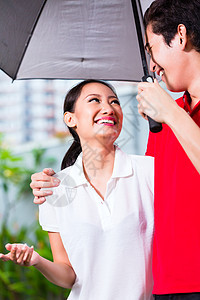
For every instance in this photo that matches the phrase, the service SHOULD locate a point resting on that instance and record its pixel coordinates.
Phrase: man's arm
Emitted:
(155, 102)
(188, 134)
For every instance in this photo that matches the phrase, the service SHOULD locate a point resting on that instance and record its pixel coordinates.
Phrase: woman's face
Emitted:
(98, 115)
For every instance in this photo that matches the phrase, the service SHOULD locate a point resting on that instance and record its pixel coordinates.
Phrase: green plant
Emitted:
(11, 173)
(18, 282)
(26, 283)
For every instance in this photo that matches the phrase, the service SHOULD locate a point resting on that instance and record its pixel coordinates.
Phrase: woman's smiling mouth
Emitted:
(109, 121)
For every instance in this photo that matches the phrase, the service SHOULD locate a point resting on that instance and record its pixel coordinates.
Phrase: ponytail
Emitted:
(73, 152)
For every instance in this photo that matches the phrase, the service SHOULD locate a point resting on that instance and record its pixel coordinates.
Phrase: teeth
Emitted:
(105, 121)
(161, 73)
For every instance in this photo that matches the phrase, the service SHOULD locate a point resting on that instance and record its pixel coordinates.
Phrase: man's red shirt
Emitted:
(176, 249)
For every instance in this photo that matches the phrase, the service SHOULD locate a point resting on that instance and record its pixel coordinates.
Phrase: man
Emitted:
(173, 42)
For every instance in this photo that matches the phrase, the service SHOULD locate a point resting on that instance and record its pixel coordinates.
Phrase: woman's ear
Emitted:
(69, 119)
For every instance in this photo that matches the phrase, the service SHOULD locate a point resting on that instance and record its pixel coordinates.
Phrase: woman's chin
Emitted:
(106, 136)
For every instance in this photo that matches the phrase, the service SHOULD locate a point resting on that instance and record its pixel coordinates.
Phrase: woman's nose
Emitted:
(107, 109)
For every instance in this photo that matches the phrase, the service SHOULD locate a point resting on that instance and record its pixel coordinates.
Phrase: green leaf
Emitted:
(5, 277)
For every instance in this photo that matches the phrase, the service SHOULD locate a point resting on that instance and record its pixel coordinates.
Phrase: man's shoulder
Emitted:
(180, 100)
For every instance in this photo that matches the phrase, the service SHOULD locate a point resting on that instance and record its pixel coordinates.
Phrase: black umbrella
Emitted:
(79, 39)
(154, 126)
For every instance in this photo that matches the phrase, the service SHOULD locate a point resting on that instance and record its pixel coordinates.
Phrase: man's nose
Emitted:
(152, 65)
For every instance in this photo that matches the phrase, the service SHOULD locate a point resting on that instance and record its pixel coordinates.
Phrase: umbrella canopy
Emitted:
(70, 39)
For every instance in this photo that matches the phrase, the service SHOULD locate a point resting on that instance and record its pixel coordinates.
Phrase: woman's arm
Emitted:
(59, 272)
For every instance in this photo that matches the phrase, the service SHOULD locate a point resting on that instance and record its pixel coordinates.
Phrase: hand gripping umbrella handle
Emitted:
(154, 126)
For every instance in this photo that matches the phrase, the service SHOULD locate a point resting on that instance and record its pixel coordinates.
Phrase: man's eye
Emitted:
(149, 51)
(149, 54)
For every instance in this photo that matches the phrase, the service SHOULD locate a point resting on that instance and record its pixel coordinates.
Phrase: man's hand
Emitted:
(155, 102)
(43, 180)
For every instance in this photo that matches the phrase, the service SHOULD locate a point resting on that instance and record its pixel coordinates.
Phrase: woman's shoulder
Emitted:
(142, 159)
(139, 159)
(74, 169)
(140, 163)
(63, 173)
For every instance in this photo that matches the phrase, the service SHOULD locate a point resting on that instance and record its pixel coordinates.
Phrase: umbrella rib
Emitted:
(139, 35)
(29, 38)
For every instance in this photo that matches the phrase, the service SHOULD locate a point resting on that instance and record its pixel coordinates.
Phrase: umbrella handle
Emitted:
(154, 126)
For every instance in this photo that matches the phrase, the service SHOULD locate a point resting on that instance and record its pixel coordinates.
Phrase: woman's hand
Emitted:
(60, 273)
(21, 254)
(43, 180)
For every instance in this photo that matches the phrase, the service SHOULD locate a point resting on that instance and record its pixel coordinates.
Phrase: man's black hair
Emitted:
(166, 15)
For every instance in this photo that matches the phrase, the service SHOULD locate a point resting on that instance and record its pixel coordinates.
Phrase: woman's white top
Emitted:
(108, 242)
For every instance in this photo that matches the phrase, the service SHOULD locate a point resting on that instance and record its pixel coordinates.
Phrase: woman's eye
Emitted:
(116, 102)
(94, 99)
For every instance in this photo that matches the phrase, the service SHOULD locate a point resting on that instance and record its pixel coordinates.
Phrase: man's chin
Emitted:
(174, 89)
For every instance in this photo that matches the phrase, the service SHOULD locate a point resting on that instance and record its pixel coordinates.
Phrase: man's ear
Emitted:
(69, 119)
(182, 33)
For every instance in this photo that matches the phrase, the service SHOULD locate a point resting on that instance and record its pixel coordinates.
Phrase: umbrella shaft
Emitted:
(140, 39)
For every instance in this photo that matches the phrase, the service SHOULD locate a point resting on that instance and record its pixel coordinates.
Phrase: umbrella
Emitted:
(73, 39)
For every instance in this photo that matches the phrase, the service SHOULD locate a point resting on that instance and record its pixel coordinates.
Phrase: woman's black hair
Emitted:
(166, 15)
(69, 105)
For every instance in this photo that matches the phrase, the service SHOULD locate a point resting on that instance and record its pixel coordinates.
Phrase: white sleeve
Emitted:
(146, 167)
(150, 172)
(47, 213)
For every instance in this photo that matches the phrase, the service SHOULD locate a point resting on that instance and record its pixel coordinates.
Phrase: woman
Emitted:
(100, 218)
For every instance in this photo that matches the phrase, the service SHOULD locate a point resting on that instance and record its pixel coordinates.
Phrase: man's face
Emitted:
(166, 61)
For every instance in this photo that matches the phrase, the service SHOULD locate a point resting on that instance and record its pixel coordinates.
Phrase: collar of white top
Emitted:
(122, 168)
